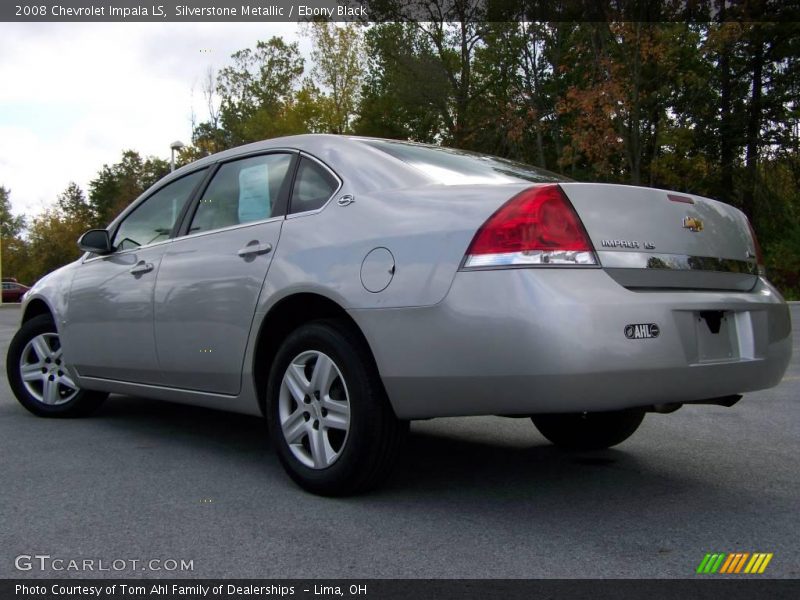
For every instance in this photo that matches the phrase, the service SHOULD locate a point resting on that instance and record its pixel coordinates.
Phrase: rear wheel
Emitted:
(589, 431)
(39, 377)
(329, 418)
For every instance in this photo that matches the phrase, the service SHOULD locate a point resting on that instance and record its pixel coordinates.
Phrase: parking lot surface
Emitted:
(473, 498)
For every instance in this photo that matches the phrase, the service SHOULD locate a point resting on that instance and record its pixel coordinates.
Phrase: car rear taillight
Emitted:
(762, 269)
(536, 227)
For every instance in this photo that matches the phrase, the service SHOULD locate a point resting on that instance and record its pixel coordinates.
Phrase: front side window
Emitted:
(242, 191)
(313, 186)
(153, 220)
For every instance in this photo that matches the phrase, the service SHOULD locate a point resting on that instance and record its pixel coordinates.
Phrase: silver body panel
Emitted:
(447, 341)
(205, 299)
(108, 327)
(521, 341)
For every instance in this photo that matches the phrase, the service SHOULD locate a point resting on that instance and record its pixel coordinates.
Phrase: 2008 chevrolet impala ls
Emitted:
(344, 286)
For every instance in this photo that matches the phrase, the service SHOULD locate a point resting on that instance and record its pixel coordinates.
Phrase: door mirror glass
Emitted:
(95, 241)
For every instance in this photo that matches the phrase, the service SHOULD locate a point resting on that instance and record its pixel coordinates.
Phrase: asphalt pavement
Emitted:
(478, 497)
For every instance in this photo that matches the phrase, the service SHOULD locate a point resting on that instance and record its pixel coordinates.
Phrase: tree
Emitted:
(208, 137)
(51, 239)
(617, 109)
(436, 59)
(52, 242)
(117, 185)
(338, 71)
(393, 103)
(518, 67)
(257, 91)
(10, 225)
(72, 203)
(13, 249)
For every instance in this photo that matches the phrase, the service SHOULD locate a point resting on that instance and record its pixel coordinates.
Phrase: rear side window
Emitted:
(242, 191)
(152, 221)
(313, 186)
(450, 166)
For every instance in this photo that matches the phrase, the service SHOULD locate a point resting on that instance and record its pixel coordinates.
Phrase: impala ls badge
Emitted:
(631, 244)
(641, 331)
(692, 224)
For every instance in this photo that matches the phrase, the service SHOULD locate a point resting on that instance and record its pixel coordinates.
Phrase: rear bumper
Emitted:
(526, 341)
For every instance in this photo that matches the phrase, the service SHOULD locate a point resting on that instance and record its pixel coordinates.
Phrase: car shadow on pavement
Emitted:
(441, 464)
(155, 422)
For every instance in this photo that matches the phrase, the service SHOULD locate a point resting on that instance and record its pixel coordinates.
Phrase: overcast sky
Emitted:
(74, 96)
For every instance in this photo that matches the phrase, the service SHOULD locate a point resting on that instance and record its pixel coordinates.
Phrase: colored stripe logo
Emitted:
(733, 563)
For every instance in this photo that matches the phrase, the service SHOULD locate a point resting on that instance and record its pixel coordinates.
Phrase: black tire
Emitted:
(589, 431)
(372, 443)
(80, 404)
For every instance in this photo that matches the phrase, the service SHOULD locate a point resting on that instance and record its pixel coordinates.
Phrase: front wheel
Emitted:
(329, 418)
(589, 431)
(39, 377)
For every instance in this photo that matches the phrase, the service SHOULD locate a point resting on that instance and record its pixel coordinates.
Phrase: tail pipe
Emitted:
(670, 407)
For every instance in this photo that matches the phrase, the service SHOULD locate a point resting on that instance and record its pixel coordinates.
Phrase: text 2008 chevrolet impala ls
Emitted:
(344, 286)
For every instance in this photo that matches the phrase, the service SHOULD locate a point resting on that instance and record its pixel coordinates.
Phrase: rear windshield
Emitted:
(454, 167)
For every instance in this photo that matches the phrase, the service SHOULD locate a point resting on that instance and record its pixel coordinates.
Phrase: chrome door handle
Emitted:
(141, 268)
(255, 248)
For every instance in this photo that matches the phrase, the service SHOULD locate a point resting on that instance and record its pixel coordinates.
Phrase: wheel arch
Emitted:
(36, 307)
(285, 316)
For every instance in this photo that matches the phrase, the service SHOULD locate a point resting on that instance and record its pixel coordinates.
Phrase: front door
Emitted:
(210, 279)
(109, 317)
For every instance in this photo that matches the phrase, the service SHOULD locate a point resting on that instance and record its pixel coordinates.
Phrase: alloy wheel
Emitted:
(314, 409)
(44, 373)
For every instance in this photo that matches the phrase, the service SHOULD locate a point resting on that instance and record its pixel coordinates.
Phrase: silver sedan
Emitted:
(345, 286)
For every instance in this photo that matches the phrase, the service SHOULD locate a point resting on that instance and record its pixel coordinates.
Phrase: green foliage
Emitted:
(51, 237)
(72, 203)
(10, 225)
(52, 242)
(12, 247)
(395, 102)
(117, 185)
(49, 240)
(338, 69)
(17, 261)
(257, 91)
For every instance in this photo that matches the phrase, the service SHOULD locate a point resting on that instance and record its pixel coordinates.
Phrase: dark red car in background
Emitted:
(13, 290)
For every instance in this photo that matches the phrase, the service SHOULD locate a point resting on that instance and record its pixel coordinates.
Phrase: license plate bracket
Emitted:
(717, 339)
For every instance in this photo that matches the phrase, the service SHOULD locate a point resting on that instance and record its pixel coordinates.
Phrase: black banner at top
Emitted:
(398, 10)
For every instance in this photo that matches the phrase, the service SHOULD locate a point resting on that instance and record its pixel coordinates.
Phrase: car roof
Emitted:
(363, 167)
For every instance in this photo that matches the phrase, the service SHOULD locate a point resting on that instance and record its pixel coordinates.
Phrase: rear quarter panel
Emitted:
(427, 229)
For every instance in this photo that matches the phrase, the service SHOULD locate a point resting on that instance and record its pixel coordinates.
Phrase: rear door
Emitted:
(211, 277)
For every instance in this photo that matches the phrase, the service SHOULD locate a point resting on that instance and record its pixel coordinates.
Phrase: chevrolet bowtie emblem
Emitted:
(692, 224)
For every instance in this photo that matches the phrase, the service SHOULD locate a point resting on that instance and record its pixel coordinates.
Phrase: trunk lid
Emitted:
(648, 238)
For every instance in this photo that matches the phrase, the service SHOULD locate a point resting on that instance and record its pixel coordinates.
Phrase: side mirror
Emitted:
(95, 241)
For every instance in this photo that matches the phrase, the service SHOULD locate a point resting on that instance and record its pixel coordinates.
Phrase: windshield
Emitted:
(450, 166)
